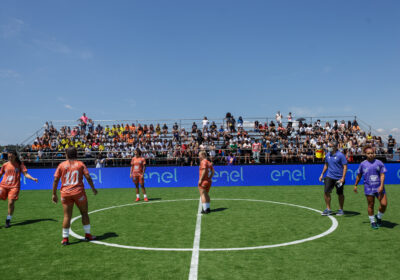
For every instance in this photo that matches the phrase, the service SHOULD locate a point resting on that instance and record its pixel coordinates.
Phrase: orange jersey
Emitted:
(138, 165)
(206, 166)
(71, 174)
(11, 175)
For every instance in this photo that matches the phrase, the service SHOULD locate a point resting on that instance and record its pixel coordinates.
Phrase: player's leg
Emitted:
(11, 207)
(141, 180)
(339, 192)
(371, 205)
(135, 180)
(382, 208)
(84, 209)
(329, 185)
(67, 207)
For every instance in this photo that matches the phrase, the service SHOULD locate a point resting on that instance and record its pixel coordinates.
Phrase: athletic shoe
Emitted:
(8, 224)
(378, 221)
(208, 211)
(146, 199)
(137, 199)
(326, 212)
(340, 212)
(204, 212)
(374, 225)
(89, 237)
(65, 241)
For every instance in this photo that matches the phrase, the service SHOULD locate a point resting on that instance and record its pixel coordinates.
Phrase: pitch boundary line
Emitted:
(333, 227)
(194, 264)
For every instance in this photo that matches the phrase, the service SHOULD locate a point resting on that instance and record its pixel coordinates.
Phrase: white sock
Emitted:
(372, 219)
(65, 232)
(380, 215)
(137, 196)
(9, 217)
(144, 196)
(208, 205)
(86, 228)
(204, 206)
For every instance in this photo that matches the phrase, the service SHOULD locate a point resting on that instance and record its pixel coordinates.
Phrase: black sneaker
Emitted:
(374, 225)
(208, 211)
(8, 224)
(203, 212)
(378, 221)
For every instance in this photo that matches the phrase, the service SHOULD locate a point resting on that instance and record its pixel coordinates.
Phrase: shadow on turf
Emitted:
(386, 224)
(351, 213)
(218, 209)
(28, 222)
(98, 238)
(155, 198)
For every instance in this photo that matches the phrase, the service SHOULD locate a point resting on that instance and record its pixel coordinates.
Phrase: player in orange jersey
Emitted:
(138, 166)
(11, 183)
(71, 173)
(205, 176)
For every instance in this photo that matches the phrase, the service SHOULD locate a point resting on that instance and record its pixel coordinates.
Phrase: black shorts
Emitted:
(330, 184)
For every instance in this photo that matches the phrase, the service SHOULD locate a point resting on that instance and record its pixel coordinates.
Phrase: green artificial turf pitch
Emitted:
(31, 248)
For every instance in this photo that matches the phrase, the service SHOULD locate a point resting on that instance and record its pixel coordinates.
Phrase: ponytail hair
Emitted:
(17, 159)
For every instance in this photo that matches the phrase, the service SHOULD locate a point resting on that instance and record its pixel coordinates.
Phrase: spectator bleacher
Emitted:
(178, 143)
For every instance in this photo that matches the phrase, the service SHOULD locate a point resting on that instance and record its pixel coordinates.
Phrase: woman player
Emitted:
(11, 183)
(206, 173)
(71, 173)
(138, 166)
(374, 179)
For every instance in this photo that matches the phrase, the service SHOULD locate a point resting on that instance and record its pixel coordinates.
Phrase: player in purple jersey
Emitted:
(374, 179)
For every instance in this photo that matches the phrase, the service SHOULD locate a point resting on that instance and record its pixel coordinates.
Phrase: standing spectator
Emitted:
(246, 148)
(230, 159)
(390, 146)
(240, 122)
(336, 165)
(289, 119)
(256, 148)
(205, 124)
(194, 127)
(278, 117)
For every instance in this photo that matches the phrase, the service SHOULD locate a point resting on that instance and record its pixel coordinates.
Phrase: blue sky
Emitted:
(186, 59)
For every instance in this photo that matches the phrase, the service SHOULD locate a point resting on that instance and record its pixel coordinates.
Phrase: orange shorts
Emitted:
(10, 193)
(138, 179)
(78, 199)
(205, 185)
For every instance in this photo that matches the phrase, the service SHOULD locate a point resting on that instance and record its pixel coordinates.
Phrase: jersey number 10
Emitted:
(71, 178)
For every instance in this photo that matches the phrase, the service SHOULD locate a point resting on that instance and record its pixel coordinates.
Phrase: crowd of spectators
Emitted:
(232, 141)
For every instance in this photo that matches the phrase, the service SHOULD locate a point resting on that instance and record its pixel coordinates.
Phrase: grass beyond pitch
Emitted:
(32, 251)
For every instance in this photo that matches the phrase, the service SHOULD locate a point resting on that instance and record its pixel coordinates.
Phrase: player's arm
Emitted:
(55, 185)
(90, 181)
(131, 172)
(380, 190)
(358, 178)
(144, 169)
(344, 173)
(203, 174)
(27, 175)
(323, 172)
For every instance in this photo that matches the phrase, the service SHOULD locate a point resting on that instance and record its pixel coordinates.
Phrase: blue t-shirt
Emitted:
(336, 164)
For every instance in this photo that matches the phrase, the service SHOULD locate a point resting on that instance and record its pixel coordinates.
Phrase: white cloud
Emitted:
(381, 130)
(53, 46)
(395, 130)
(86, 55)
(9, 73)
(12, 28)
(68, 107)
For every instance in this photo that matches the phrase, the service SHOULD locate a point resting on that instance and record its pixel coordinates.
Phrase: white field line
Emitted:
(194, 264)
(333, 227)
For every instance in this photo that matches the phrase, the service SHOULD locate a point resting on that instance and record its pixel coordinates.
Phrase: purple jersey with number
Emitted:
(372, 175)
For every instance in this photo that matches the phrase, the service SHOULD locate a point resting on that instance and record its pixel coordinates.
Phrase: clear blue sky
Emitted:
(186, 59)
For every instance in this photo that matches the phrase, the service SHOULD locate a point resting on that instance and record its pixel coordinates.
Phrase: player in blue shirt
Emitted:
(374, 180)
(336, 165)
